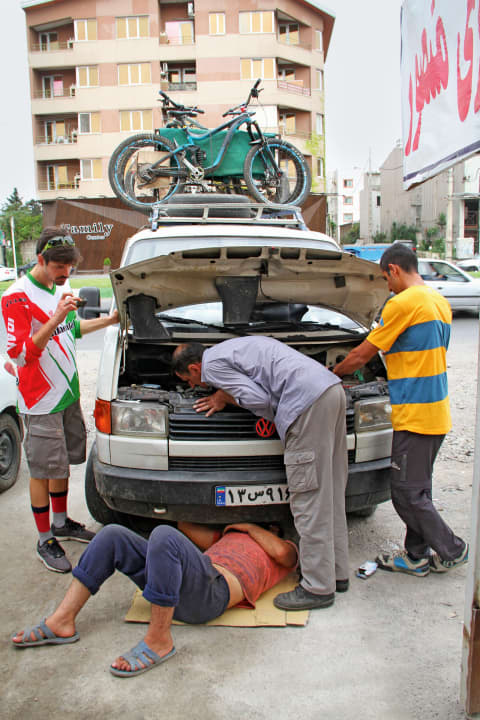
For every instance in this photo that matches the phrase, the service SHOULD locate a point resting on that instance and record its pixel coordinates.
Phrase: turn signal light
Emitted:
(102, 415)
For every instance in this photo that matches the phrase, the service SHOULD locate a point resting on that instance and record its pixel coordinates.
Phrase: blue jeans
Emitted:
(170, 570)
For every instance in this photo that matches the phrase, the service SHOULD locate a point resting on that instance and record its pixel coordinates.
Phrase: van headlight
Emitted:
(374, 413)
(139, 418)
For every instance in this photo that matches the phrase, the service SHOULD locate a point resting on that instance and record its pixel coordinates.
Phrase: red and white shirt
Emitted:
(48, 378)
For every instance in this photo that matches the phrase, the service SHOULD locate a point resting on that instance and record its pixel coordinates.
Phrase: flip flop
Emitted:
(43, 636)
(141, 653)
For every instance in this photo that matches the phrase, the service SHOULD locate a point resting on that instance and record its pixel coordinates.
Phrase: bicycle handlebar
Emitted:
(167, 102)
(238, 109)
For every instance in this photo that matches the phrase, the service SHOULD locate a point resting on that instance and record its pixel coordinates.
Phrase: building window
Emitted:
(57, 177)
(286, 74)
(52, 86)
(318, 79)
(347, 217)
(87, 76)
(256, 22)
(48, 41)
(129, 28)
(85, 29)
(89, 122)
(347, 183)
(216, 23)
(251, 69)
(287, 123)
(181, 76)
(319, 124)
(180, 33)
(378, 200)
(289, 33)
(320, 167)
(135, 74)
(319, 40)
(347, 200)
(91, 169)
(136, 120)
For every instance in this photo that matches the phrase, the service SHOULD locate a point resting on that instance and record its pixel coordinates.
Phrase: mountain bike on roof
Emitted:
(184, 156)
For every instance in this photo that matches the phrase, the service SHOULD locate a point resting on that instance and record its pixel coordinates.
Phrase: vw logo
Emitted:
(265, 428)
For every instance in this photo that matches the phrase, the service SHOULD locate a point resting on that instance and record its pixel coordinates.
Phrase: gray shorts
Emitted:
(54, 442)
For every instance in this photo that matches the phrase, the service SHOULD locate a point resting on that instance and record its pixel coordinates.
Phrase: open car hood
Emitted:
(242, 276)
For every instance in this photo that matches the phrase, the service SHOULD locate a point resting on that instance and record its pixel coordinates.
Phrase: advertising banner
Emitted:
(440, 74)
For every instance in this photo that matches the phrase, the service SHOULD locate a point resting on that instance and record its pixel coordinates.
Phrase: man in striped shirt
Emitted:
(413, 334)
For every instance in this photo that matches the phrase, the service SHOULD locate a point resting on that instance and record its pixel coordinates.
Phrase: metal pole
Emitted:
(12, 228)
(449, 226)
(470, 672)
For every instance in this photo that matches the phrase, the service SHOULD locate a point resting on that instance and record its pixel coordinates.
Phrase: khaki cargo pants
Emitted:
(317, 470)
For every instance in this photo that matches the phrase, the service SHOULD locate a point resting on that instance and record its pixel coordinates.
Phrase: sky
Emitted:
(362, 90)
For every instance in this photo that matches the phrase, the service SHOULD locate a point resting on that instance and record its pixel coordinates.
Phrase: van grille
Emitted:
(224, 426)
(220, 426)
(212, 464)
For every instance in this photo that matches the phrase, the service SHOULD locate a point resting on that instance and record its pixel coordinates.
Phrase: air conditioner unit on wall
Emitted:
(190, 9)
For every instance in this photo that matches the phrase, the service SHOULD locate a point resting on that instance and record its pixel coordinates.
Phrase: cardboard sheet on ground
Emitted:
(263, 615)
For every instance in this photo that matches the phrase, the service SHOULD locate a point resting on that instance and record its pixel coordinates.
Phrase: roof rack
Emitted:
(257, 214)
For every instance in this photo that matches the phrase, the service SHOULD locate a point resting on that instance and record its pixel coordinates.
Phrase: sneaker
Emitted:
(301, 599)
(342, 586)
(440, 566)
(401, 562)
(73, 531)
(53, 556)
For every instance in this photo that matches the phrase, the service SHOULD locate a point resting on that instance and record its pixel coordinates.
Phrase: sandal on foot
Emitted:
(43, 636)
(141, 653)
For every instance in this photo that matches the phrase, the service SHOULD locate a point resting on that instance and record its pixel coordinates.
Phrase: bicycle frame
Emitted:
(192, 140)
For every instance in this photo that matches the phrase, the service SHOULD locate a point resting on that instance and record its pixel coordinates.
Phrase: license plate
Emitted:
(238, 495)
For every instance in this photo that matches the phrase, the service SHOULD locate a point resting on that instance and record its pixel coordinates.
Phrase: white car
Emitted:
(461, 290)
(7, 273)
(470, 265)
(11, 429)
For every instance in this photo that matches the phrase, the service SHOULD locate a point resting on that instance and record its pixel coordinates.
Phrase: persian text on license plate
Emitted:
(238, 495)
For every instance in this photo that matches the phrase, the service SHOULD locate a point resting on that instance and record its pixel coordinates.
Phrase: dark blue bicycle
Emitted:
(186, 157)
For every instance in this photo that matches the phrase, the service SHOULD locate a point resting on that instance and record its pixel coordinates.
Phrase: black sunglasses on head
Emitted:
(58, 241)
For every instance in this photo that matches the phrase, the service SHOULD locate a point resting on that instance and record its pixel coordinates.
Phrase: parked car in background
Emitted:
(470, 265)
(409, 243)
(11, 429)
(7, 273)
(461, 290)
(367, 252)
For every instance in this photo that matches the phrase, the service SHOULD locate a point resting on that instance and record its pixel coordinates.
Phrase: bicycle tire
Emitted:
(124, 178)
(291, 188)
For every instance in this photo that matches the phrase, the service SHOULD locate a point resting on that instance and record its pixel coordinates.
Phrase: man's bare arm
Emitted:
(356, 358)
(202, 535)
(88, 326)
(281, 551)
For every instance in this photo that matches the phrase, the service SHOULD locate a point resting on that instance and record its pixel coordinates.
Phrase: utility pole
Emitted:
(12, 228)
(449, 225)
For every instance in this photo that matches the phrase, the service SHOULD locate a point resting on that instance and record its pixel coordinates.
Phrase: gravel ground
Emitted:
(390, 648)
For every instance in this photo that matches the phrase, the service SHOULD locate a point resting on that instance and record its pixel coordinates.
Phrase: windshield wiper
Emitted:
(191, 321)
(308, 326)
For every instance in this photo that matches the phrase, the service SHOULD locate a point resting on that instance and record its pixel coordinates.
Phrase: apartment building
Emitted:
(370, 206)
(96, 67)
(423, 205)
(343, 199)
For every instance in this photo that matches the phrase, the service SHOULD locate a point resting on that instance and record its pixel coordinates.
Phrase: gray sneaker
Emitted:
(53, 556)
(440, 566)
(73, 530)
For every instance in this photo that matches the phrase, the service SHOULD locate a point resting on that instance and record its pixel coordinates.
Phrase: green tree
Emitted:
(380, 237)
(403, 231)
(27, 220)
(352, 236)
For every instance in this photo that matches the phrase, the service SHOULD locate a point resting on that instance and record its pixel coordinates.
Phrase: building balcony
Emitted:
(293, 86)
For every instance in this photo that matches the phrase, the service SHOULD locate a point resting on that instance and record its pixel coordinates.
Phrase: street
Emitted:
(389, 648)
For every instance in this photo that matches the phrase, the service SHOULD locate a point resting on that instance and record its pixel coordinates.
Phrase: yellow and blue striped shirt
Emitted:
(414, 333)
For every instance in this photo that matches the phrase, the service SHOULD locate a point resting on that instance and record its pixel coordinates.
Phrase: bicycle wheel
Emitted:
(132, 177)
(290, 187)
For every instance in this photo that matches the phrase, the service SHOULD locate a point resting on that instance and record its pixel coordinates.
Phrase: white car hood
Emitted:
(321, 277)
